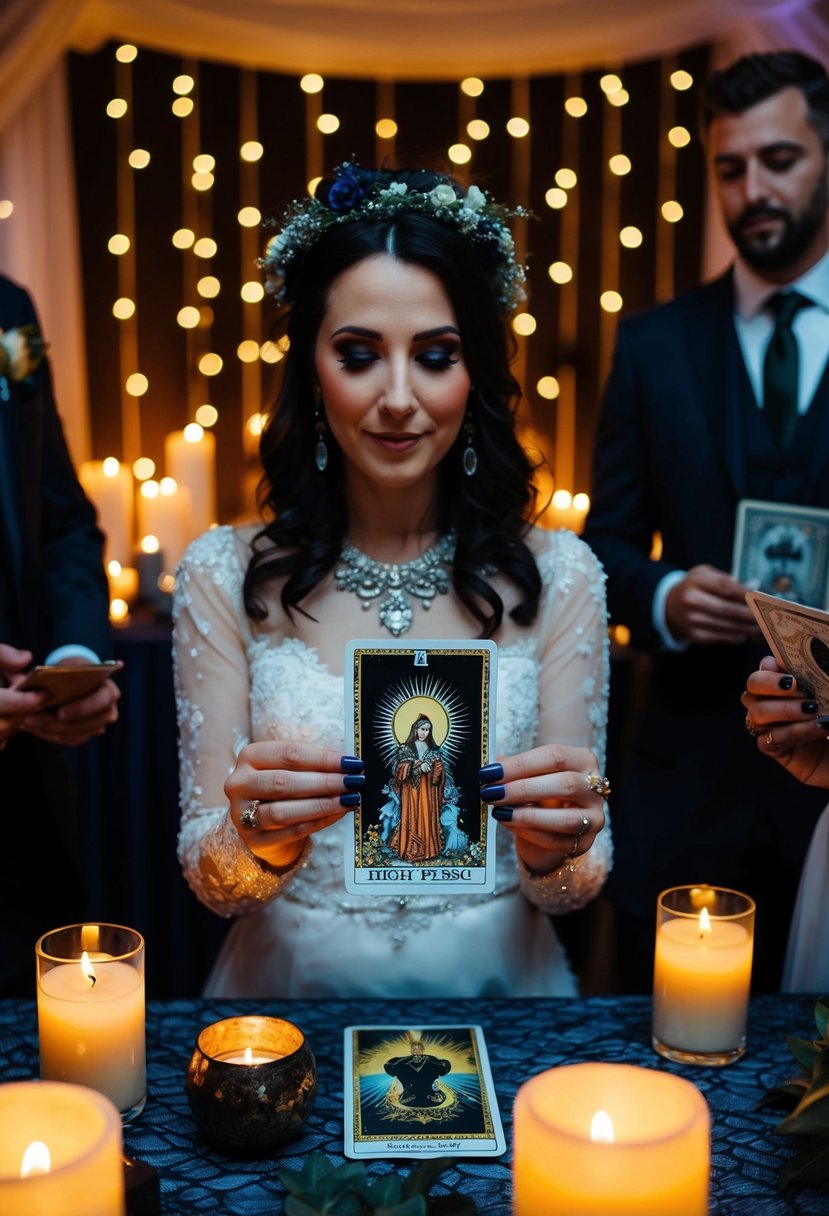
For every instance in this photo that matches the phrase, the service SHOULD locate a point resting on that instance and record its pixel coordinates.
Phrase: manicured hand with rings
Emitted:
(281, 793)
(786, 724)
(551, 799)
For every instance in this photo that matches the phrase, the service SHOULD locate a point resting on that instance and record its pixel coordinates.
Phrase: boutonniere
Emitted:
(807, 1097)
(21, 351)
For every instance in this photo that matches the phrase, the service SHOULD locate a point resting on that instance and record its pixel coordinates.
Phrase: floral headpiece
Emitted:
(360, 194)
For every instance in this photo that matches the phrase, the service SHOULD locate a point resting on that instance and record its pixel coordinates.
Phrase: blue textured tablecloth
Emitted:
(524, 1037)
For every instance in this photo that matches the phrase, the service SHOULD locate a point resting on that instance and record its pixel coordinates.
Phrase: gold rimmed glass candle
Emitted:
(90, 1011)
(702, 973)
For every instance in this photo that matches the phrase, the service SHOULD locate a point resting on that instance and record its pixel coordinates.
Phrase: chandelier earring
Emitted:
(470, 456)
(321, 447)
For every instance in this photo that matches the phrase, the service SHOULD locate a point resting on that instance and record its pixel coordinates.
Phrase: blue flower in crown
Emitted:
(345, 193)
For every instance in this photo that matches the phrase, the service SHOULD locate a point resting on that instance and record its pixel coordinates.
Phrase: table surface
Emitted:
(524, 1037)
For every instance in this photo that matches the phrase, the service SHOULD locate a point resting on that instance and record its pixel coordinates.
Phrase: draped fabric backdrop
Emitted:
(410, 40)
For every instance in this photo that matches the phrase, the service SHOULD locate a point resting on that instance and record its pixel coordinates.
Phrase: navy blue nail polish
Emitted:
(349, 800)
(502, 813)
(823, 721)
(351, 764)
(492, 793)
(786, 682)
(808, 707)
(491, 772)
(354, 782)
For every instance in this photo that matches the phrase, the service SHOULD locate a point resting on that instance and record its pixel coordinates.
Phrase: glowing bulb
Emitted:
(560, 272)
(183, 238)
(205, 247)
(117, 108)
(477, 129)
(581, 502)
(167, 487)
(193, 433)
(681, 80)
(460, 154)
(139, 158)
(210, 364)
(188, 317)
(562, 500)
(123, 308)
(202, 181)
(566, 178)
(251, 150)
(126, 53)
(472, 86)
(207, 415)
(209, 286)
(6, 208)
(620, 98)
(312, 185)
(620, 164)
(137, 384)
(518, 127)
(610, 83)
(576, 107)
(113, 568)
(601, 1128)
(111, 467)
(249, 217)
(182, 106)
(548, 388)
(311, 82)
(248, 351)
(256, 424)
(36, 1160)
(524, 324)
(680, 137)
(143, 468)
(118, 244)
(556, 198)
(269, 352)
(672, 211)
(119, 609)
(328, 123)
(385, 128)
(204, 163)
(252, 292)
(183, 84)
(150, 543)
(610, 301)
(150, 490)
(631, 237)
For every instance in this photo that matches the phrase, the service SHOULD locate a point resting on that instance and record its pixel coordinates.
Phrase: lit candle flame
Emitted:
(88, 969)
(248, 1056)
(704, 924)
(602, 1130)
(36, 1160)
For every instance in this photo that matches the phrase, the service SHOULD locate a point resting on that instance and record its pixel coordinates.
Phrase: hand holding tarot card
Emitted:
(799, 640)
(420, 716)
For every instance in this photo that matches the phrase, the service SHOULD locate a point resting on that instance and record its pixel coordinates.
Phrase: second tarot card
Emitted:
(420, 715)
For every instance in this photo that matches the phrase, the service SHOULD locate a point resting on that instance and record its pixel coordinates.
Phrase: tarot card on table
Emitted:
(420, 716)
(799, 640)
(783, 550)
(423, 1092)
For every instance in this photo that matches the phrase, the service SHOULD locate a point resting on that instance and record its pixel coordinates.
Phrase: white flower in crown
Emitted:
(397, 188)
(443, 195)
(475, 199)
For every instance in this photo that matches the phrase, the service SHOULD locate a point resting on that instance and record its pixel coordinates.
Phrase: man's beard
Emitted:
(796, 236)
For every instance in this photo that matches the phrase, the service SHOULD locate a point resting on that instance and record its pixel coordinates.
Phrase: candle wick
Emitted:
(93, 980)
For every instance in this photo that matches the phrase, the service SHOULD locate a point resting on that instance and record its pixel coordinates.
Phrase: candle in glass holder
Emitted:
(702, 973)
(610, 1140)
(60, 1151)
(90, 1011)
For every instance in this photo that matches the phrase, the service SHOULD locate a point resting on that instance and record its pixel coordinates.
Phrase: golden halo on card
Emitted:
(408, 713)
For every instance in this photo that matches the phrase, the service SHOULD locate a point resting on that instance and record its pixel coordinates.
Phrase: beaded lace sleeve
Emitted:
(212, 684)
(573, 690)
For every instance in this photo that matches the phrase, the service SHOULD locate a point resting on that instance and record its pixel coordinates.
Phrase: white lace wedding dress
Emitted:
(807, 958)
(301, 934)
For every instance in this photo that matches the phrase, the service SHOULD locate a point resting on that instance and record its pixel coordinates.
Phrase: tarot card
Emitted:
(783, 550)
(424, 1092)
(421, 717)
(799, 641)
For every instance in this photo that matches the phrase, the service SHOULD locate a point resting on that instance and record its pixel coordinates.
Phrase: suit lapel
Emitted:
(817, 475)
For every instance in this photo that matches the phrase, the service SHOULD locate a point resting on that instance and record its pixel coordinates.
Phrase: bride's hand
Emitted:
(550, 800)
(291, 790)
(783, 720)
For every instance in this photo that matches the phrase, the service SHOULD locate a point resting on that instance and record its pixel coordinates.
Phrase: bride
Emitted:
(390, 463)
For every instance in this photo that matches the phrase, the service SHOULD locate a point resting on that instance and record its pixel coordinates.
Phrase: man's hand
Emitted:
(76, 722)
(15, 706)
(707, 607)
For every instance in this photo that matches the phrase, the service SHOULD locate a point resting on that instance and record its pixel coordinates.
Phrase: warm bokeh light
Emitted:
(631, 237)
(620, 164)
(113, 568)
(208, 287)
(576, 107)
(139, 158)
(202, 181)
(116, 108)
(123, 308)
(681, 80)
(111, 467)
(581, 502)
(566, 178)
(118, 243)
(182, 106)
(610, 301)
(560, 272)
(524, 324)
(119, 609)
(269, 352)
(562, 500)
(610, 83)
(183, 238)
(477, 129)
(548, 388)
(149, 490)
(312, 185)
(256, 424)
(248, 351)
(188, 317)
(251, 150)
(150, 543)
(472, 86)
(620, 634)
(6, 208)
(126, 53)
(166, 583)
(620, 98)
(137, 384)
(193, 433)
(249, 217)
(283, 343)
(183, 84)
(210, 364)
(204, 163)
(252, 292)
(518, 127)
(385, 128)
(207, 415)
(680, 137)
(556, 198)
(672, 211)
(143, 468)
(167, 486)
(205, 247)
(328, 124)
(460, 154)
(311, 82)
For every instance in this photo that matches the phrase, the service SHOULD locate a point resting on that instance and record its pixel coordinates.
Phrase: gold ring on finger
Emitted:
(750, 727)
(770, 740)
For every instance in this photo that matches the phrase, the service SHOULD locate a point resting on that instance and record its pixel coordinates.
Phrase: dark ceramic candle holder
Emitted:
(251, 1108)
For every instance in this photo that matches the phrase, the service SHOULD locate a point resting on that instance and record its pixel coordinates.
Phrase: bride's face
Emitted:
(391, 369)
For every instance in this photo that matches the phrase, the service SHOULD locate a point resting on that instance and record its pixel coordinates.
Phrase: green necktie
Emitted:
(781, 365)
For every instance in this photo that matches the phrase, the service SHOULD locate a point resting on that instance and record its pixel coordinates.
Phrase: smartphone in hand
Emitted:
(69, 682)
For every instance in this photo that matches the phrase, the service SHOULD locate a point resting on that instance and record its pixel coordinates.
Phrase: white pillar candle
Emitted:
(190, 457)
(610, 1140)
(90, 1013)
(80, 1131)
(702, 973)
(109, 485)
(164, 512)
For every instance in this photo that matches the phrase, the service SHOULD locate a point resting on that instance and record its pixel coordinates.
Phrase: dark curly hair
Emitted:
(755, 78)
(489, 512)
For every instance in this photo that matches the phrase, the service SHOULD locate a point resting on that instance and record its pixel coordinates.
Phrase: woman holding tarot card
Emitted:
(397, 503)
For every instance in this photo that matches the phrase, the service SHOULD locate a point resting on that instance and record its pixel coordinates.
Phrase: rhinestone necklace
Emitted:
(422, 579)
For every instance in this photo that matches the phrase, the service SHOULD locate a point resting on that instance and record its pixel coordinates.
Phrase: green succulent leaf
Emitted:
(788, 1094)
(420, 1180)
(811, 1115)
(803, 1050)
(808, 1167)
(822, 1017)
(321, 1188)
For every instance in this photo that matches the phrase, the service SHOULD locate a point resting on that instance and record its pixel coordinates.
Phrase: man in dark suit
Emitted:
(691, 425)
(53, 607)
